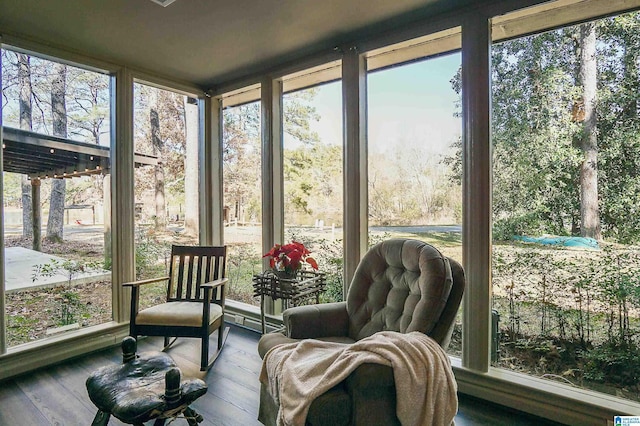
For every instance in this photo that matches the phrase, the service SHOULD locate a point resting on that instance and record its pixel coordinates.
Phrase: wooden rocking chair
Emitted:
(194, 304)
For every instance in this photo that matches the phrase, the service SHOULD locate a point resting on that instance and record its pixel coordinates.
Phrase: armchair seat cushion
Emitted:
(186, 314)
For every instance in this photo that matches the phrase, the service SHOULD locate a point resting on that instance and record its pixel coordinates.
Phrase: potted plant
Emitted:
(286, 260)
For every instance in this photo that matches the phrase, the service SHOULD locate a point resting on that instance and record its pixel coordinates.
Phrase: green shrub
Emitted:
(617, 363)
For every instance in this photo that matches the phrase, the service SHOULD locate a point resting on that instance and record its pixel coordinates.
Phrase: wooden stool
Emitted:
(145, 387)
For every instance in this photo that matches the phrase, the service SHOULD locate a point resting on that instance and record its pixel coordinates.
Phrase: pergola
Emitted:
(48, 157)
(41, 156)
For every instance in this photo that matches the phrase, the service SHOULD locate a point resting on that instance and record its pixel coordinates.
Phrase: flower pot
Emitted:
(286, 275)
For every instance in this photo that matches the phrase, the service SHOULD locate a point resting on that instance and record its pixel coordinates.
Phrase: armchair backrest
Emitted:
(404, 285)
(192, 266)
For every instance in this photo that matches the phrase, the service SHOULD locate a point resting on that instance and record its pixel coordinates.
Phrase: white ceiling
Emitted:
(207, 42)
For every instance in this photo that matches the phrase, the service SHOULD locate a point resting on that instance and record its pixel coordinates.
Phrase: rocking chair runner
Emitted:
(194, 305)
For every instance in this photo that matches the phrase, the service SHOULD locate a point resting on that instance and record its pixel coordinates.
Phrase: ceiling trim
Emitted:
(535, 18)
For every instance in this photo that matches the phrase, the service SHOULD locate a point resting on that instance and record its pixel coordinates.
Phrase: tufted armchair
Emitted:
(400, 285)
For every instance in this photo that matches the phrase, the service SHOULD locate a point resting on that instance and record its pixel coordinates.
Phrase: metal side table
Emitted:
(293, 291)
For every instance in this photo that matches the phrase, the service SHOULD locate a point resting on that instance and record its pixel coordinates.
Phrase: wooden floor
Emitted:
(57, 395)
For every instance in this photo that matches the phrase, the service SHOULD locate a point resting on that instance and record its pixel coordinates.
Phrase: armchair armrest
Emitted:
(370, 376)
(142, 282)
(372, 391)
(313, 321)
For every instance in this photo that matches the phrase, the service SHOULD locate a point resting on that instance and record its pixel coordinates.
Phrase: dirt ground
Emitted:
(34, 312)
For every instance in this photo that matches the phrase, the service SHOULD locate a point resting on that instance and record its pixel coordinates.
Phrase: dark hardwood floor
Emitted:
(57, 395)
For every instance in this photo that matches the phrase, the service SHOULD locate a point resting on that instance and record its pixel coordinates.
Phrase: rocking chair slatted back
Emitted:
(192, 266)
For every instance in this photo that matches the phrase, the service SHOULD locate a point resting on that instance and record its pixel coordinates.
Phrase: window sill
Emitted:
(545, 398)
(26, 357)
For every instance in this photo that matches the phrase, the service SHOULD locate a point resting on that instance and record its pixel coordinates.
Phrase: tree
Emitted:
(29, 91)
(55, 224)
(88, 100)
(241, 162)
(619, 126)
(157, 143)
(561, 165)
(589, 214)
(24, 77)
(303, 162)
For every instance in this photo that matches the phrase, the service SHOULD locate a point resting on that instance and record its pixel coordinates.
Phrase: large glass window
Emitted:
(414, 127)
(166, 145)
(566, 150)
(242, 198)
(414, 185)
(313, 178)
(56, 162)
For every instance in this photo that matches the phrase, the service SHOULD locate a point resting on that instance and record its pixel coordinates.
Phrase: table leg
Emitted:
(264, 328)
(192, 417)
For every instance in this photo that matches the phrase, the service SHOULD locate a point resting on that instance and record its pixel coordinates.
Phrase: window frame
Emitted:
(473, 373)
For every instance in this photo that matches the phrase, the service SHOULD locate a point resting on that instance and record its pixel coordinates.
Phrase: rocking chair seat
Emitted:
(182, 314)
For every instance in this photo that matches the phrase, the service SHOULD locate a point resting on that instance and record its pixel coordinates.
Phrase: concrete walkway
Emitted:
(19, 268)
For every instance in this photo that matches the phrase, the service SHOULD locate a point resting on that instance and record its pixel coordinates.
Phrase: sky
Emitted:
(411, 104)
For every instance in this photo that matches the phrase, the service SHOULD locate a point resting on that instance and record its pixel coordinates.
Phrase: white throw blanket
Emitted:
(297, 373)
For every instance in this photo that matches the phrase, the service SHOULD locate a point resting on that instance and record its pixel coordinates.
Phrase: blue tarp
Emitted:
(579, 242)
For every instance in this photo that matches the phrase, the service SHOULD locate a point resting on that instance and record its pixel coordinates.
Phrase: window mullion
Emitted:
(354, 106)
(476, 228)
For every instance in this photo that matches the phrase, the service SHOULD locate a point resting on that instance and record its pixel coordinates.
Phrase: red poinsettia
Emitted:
(289, 257)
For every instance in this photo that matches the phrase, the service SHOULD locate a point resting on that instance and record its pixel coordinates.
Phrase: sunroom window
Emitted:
(167, 191)
(242, 159)
(313, 179)
(56, 148)
(565, 200)
(413, 135)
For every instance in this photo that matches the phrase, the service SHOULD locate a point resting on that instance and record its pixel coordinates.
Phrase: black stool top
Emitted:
(145, 387)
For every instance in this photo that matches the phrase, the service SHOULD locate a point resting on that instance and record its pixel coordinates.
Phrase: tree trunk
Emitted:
(161, 215)
(27, 209)
(589, 212)
(37, 215)
(191, 168)
(630, 81)
(55, 224)
(156, 140)
(24, 78)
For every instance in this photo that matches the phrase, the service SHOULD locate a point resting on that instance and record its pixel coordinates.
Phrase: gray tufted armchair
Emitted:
(400, 285)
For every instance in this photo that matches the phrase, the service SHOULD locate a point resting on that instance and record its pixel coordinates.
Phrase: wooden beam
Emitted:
(212, 204)
(554, 15)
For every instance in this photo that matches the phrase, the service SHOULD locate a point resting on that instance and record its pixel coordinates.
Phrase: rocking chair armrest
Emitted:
(215, 283)
(142, 282)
